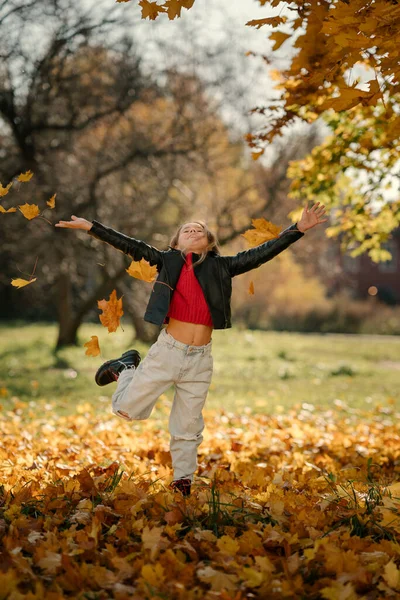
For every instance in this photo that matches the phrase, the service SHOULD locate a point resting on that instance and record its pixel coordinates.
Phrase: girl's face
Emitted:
(192, 238)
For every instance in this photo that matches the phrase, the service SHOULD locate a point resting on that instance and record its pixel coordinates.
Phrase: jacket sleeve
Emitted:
(136, 249)
(255, 257)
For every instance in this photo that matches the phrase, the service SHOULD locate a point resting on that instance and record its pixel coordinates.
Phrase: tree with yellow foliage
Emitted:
(337, 41)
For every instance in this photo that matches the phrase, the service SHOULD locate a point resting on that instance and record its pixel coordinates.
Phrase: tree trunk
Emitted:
(67, 326)
(145, 332)
(69, 322)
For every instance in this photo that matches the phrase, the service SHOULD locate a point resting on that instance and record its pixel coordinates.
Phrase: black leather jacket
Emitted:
(214, 273)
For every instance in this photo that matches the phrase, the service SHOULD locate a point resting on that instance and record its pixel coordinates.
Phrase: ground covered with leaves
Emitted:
(301, 505)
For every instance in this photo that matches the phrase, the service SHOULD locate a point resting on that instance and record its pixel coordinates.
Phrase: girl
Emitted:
(192, 297)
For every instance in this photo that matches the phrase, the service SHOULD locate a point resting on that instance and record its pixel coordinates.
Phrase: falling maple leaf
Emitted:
(264, 231)
(112, 311)
(10, 210)
(150, 9)
(92, 347)
(174, 7)
(274, 21)
(4, 190)
(19, 283)
(279, 37)
(52, 202)
(142, 270)
(27, 176)
(30, 211)
(256, 155)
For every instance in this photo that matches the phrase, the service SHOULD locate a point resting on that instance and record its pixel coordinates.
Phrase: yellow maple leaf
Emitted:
(252, 577)
(151, 538)
(27, 176)
(141, 269)
(92, 347)
(30, 211)
(264, 231)
(150, 9)
(218, 579)
(4, 190)
(251, 289)
(227, 544)
(52, 201)
(338, 591)
(19, 283)
(112, 311)
(153, 574)
(10, 210)
(392, 575)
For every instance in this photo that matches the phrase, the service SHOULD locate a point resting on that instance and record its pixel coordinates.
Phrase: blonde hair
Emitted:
(212, 242)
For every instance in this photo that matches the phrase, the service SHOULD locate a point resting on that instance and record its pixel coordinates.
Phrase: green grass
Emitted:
(253, 370)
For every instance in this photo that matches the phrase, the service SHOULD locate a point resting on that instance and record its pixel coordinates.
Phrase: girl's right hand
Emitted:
(76, 223)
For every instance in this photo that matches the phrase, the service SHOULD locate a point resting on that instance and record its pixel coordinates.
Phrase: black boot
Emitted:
(181, 485)
(110, 370)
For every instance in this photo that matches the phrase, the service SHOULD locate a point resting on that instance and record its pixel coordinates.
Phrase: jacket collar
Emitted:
(194, 253)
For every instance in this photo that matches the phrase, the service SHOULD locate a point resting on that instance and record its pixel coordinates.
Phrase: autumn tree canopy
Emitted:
(346, 71)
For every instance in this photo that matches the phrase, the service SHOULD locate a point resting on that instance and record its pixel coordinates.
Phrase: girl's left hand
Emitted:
(311, 217)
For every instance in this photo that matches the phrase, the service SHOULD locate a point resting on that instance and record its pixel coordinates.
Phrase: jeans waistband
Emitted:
(171, 341)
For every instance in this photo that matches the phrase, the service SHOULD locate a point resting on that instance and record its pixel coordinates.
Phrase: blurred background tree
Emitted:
(139, 147)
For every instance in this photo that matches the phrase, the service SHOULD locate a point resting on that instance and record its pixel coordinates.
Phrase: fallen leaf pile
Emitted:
(302, 505)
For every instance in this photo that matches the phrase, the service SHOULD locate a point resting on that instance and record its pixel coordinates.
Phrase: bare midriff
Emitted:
(193, 334)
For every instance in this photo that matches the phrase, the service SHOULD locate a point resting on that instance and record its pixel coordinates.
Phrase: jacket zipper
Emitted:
(222, 292)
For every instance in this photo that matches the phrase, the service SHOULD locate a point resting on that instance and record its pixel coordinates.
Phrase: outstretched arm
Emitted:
(136, 249)
(255, 257)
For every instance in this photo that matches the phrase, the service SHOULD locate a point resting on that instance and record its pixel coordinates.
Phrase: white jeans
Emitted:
(170, 362)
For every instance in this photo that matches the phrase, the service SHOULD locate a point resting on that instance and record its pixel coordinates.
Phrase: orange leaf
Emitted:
(251, 288)
(10, 210)
(52, 201)
(4, 191)
(350, 97)
(174, 7)
(30, 211)
(274, 21)
(278, 37)
(27, 176)
(256, 155)
(19, 283)
(112, 311)
(150, 9)
(142, 270)
(92, 347)
(264, 231)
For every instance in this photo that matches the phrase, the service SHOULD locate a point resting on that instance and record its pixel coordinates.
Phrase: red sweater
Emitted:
(188, 303)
